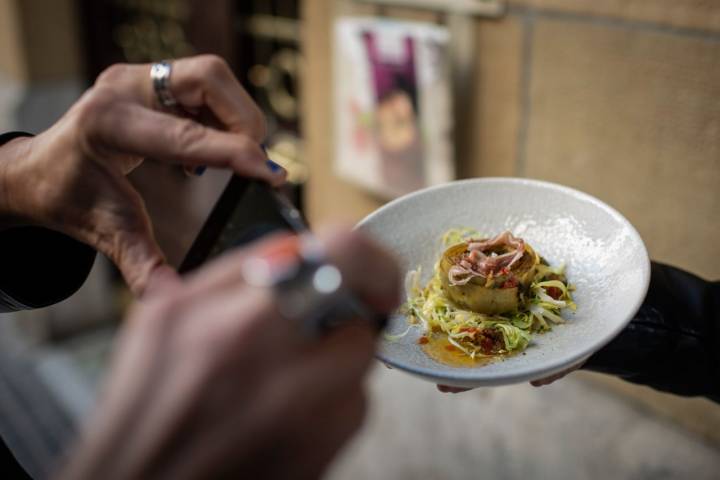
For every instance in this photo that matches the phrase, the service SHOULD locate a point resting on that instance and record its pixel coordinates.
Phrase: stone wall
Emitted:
(620, 99)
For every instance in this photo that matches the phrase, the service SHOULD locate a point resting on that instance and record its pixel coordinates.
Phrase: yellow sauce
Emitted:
(441, 350)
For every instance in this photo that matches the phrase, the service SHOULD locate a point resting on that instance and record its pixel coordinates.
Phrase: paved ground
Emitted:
(569, 430)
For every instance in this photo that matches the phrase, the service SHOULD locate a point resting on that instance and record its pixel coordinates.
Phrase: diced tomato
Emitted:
(487, 344)
(554, 292)
(423, 340)
(450, 348)
(511, 282)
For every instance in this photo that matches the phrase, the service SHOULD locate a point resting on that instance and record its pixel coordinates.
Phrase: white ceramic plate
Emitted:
(605, 257)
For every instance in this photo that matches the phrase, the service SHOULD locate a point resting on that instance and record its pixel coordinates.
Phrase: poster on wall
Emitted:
(393, 106)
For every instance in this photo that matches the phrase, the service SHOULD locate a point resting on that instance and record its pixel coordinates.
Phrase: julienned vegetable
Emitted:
(488, 295)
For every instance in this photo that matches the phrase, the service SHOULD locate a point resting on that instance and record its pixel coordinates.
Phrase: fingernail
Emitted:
(191, 170)
(274, 167)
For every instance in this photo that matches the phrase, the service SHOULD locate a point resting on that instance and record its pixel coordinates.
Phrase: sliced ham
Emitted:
(479, 262)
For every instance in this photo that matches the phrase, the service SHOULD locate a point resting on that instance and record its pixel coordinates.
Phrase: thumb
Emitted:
(139, 259)
(121, 229)
(162, 278)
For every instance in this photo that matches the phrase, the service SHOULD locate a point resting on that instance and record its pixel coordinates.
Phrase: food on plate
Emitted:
(486, 298)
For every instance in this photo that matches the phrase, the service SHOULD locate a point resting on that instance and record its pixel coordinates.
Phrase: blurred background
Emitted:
(619, 98)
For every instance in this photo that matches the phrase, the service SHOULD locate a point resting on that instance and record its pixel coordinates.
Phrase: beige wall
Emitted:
(620, 99)
(695, 15)
(633, 117)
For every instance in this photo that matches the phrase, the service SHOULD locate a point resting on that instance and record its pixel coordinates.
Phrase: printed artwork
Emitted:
(392, 105)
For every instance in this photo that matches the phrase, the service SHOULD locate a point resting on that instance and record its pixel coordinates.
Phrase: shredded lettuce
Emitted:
(459, 235)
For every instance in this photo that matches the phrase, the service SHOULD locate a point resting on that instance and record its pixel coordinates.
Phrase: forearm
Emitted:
(673, 343)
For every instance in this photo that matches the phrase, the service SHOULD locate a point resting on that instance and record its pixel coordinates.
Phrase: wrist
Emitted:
(12, 154)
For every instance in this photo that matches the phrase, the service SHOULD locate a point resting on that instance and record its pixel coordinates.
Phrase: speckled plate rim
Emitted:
(478, 377)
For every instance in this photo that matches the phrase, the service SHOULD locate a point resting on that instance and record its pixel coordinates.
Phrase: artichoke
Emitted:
(487, 276)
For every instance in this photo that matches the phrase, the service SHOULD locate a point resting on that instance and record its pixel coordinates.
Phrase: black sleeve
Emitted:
(39, 267)
(673, 343)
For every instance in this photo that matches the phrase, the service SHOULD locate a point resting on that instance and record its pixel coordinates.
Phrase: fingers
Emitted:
(238, 318)
(229, 269)
(342, 357)
(337, 403)
(449, 389)
(117, 225)
(552, 378)
(160, 279)
(113, 124)
(337, 420)
(269, 437)
(205, 88)
(195, 82)
(369, 270)
(137, 256)
(135, 130)
(535, 383)
(207, 81)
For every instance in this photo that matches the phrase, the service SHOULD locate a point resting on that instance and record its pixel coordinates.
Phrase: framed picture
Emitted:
(393, 107)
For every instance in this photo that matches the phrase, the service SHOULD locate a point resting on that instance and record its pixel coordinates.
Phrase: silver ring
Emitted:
(160, 75)
(312, 293)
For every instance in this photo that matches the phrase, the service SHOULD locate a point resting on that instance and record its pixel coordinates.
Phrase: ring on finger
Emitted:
(160, 76)
(309, 291)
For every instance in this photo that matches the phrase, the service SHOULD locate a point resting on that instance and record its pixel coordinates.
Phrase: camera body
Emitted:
(246, 211)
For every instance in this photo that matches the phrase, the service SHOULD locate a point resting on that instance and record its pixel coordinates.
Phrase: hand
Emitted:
(535, 383)
(209, 381)
(71, 177)
(557, 376)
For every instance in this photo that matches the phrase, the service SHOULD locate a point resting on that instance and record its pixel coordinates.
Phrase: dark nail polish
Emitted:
(193, 171)
(274, 167)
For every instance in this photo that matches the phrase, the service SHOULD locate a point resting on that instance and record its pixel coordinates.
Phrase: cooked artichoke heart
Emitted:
(498, 292)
